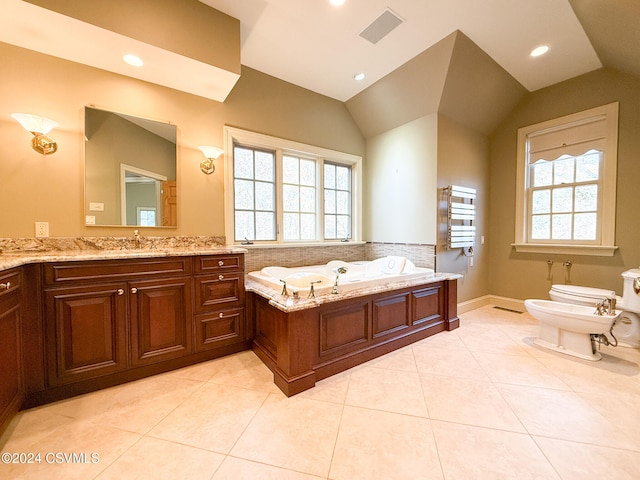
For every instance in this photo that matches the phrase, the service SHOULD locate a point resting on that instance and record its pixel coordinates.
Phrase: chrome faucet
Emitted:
(339, 270)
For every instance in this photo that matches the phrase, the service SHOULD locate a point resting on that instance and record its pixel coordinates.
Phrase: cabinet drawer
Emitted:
(219, 263)
(9, 282)
(101, 270)
(219, 328)
(218, 291)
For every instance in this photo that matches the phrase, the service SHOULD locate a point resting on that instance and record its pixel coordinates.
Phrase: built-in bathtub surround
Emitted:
(421, 255)
(70, 244)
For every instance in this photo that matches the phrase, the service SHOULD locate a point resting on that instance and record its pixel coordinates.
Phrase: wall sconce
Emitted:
(39, 127)
(211, 153)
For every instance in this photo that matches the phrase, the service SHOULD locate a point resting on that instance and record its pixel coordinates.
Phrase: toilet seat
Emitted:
(579, 294)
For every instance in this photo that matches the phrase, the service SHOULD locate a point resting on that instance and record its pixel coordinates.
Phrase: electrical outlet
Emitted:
(42, 229)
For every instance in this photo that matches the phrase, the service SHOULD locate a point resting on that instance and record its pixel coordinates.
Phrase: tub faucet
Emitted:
(284, 292)
(339, 270)
(312, 292)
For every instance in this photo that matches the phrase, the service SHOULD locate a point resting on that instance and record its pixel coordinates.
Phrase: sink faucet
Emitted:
(136, 238)
(339, 270)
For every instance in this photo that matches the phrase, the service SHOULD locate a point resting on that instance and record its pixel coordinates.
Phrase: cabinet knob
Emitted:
(134, 290)
(220, 263)
(220, 277)
(5, 286)
(221, 315)
(121, 291)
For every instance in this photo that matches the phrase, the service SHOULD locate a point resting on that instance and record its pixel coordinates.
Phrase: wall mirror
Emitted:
(130, 170)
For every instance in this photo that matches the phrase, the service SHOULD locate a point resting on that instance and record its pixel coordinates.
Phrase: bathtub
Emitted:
(381, 271)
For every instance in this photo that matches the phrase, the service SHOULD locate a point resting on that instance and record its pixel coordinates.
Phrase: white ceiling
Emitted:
(315, 45)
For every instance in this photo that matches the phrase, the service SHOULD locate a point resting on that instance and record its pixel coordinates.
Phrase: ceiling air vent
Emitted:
(381, 26)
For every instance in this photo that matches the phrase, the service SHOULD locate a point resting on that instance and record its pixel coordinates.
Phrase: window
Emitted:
(567, 184)
(278, 191)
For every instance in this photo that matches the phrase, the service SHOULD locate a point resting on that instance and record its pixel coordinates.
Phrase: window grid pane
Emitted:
(299, 200)
(568, 211)
(337, 201)
(254, 194)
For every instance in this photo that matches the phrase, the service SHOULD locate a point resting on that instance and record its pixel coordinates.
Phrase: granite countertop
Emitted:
(17, 252)
(290, 304)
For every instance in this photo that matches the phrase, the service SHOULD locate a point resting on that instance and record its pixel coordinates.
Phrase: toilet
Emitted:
(568, 320)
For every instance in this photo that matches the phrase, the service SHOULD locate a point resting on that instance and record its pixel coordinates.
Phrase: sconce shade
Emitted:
(39, 127)
(211, 153)
(34, 123)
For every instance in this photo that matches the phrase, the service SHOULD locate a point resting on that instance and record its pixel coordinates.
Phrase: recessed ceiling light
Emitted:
(336, 3)
(133, 60)
(359, 76)
(541, 50)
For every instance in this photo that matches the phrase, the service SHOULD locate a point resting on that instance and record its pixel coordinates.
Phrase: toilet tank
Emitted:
(631, 298)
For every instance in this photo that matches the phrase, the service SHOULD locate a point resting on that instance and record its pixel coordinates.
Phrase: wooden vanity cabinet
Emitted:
(11, 367)
(103, 317)
(219, 299)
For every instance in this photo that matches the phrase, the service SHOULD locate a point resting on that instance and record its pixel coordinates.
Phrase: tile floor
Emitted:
(481, 402)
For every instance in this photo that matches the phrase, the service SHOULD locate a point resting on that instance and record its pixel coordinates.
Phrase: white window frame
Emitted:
(233, 136)
(607, 207)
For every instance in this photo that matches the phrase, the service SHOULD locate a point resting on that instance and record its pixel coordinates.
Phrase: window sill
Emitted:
(294, 245)
(594, 250)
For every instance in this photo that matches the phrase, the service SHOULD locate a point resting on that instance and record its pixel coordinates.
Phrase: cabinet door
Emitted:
(160, 316)
(216, 329)
(219, 291)
(11, 385)
(85, 332)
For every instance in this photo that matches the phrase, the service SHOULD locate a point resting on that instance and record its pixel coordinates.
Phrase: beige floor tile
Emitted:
(470, 402)
(29, 426)
(519, 370)
(135, 406)
(492, 339)
(94, 446)
(245, 370)
(448, 362)
(239, 469)
(402, 360)
(577, 461)
(468, 452)
(332, 389)
(293, 433)
(159, 460)
(388, 390)
(448, 340)
(381, 445)
(621, 410)
(562, 415)
(611, 374)
(213, 418)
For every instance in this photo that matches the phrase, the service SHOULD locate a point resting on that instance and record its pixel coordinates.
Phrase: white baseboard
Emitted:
(503, 302)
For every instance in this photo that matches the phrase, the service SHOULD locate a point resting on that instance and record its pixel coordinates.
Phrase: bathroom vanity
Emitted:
(76, 325)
